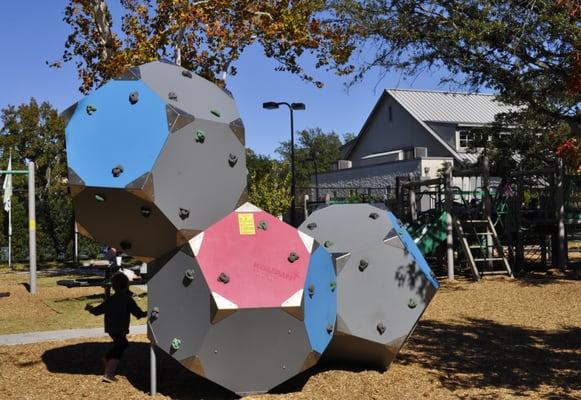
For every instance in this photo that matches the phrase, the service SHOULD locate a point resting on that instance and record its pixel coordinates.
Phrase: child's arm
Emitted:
(136, 311)
(100, 309)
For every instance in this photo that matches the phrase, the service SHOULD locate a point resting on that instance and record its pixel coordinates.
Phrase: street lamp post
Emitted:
(271, 105)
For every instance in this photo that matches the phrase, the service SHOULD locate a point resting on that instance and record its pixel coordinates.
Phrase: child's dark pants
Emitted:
(120, 343)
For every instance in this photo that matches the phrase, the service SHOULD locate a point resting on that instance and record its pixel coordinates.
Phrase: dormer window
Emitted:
(464, 137)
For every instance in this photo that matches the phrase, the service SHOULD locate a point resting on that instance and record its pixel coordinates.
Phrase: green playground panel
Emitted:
(429, 236)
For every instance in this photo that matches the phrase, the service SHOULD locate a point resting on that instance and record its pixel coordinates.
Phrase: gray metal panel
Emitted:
(197, 175)
(252, 351)
(347, 227)
(184, 305)
(360, 351)
(119, 219)
(195, 95)
(380, 293)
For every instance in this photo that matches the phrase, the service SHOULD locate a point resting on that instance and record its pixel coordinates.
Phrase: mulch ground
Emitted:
(498, 339)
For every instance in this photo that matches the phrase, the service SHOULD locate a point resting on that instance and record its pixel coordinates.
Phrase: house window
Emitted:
(465, 138)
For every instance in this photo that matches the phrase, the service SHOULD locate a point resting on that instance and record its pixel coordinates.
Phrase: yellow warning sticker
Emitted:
(32, 224)
(246, 224)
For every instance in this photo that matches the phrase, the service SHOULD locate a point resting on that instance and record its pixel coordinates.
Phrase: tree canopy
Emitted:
(315, 151)
(529, 52)
(204, 36)
(34, 131)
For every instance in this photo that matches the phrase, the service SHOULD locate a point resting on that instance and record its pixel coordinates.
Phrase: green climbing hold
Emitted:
(91, 109)
(200, 136)
(263, 225)
(328, 244)
(99, 197)
(412, 303)
(333, 286)
(215, 113)
(176, 344)
(292, 257)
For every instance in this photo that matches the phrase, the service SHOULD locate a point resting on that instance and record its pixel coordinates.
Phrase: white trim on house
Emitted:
(386, 153)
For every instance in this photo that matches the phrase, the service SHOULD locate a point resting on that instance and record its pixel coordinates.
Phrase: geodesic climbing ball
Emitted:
(252, 304)
(383, 282)
(155, 156)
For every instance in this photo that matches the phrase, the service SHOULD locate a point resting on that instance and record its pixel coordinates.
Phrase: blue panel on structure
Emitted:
(320, 300)
(109, 130)
(413, 249)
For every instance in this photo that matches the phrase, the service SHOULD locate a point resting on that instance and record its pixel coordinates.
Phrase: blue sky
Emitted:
(32, 32)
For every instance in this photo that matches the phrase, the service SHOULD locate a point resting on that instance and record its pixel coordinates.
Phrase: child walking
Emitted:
(117, 310)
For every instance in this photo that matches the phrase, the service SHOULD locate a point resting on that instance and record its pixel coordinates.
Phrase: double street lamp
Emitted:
(271, 105)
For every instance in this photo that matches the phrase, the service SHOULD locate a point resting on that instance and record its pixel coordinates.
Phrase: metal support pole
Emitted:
(412, 201)
(560, 216)
(32, 227)
(449, 227)
(10, 237)
(152, 370)
(76, 243)
(293, 177)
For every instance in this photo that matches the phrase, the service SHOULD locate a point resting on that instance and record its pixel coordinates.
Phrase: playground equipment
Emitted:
(452, 213)
(145, 150)
(157, 168)
(253, 302)
(383, 282)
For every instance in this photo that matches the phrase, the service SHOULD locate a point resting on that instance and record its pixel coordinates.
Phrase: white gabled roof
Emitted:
(459, 108)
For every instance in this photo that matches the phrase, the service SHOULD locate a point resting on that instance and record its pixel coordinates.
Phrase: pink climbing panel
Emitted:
(253, 260)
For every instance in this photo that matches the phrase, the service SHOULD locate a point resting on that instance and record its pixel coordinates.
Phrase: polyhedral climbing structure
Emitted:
(157, 168)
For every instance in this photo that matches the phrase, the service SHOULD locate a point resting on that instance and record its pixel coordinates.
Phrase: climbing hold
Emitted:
(154, 314)
(125, 245)
(91, 109)
(329, 329)
(100, 198)
(312, 226)
(133, 97)
(328, 244)
(363, 264)
(292, 257)
(333, 286)
(117, 171)
(172, 96)
(184, 214)
(412, 303)
(374, 215)
(381, 328)
(223, 278)
(215, 113)
(200, 136)
(232, 159)
(145, 211)
(187, 74)
(311, 290)
(263, 225)
(176, 344)
(190, 273)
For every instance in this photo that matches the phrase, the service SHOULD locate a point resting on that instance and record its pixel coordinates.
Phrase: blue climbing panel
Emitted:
(107, 130)
(320, 307)
(413, 249)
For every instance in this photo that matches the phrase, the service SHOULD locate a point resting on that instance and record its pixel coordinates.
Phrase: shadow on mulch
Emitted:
(482, 353)
(173, 379)
(478, 354)
(546, 277)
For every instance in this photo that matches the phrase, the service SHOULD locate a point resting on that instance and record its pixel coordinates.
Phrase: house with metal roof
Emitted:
(412, 131)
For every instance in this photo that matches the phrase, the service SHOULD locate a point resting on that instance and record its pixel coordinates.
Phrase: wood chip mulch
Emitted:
(498, 339)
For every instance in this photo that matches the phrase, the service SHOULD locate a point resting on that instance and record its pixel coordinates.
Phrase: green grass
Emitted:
(54, 307)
